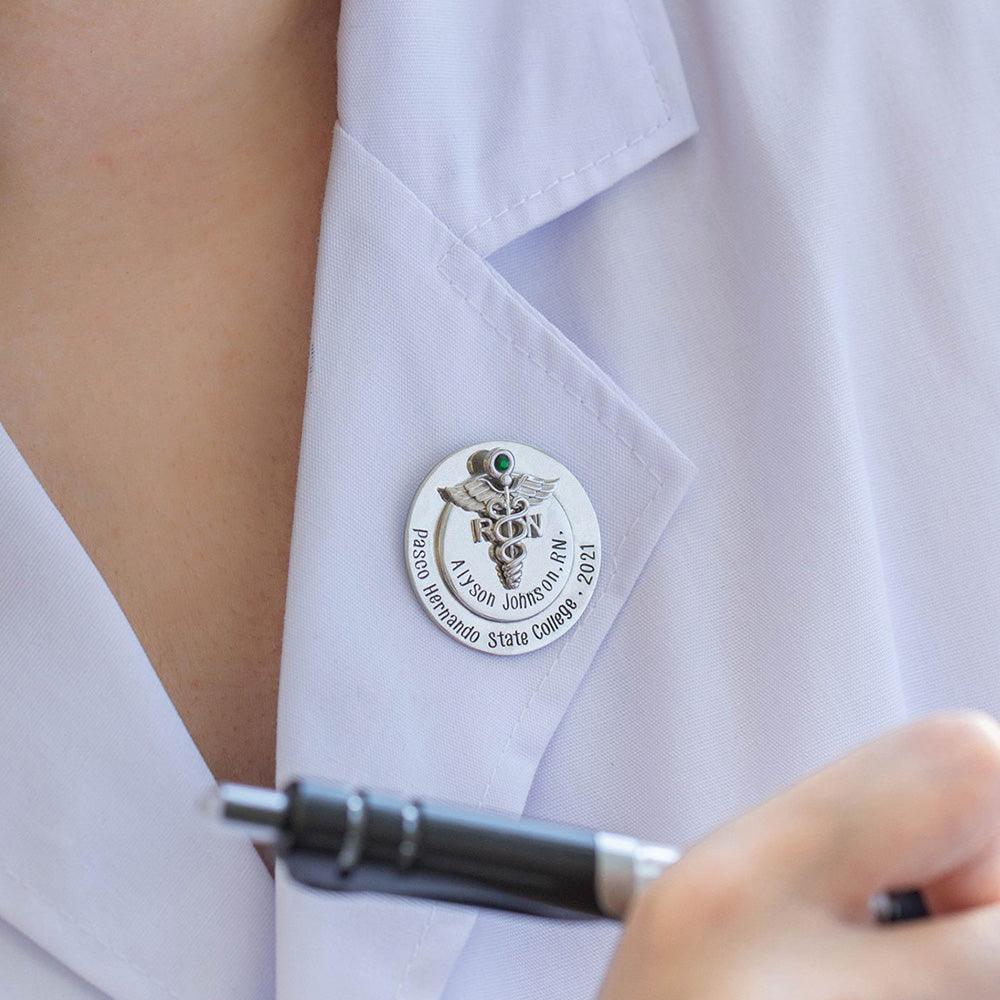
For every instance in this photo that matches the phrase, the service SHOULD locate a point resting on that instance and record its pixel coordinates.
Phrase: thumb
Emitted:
(975, 883)
(902, 812)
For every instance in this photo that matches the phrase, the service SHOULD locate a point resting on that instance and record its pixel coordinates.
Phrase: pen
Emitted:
(348, 840)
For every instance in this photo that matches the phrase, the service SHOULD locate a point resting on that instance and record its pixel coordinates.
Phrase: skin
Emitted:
(161, 175)
(775, 905)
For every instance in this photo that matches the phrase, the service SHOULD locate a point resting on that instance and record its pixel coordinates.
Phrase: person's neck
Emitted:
(162, 169)
(134, 134)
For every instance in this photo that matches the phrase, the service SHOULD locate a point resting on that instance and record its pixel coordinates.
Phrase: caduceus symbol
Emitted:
(502, 498)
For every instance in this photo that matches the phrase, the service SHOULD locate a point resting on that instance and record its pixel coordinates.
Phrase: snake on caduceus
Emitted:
(494, 490)
(509, 526)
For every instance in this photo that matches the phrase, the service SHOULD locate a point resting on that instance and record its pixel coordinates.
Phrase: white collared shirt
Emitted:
(768, 346)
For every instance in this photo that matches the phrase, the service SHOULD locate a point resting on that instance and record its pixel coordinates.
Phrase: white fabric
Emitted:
(769, 351)
(104, 860)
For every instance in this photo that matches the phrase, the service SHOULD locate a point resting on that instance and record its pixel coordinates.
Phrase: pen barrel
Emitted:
(351, 841)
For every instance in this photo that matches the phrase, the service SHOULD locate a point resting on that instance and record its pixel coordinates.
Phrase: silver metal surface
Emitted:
(880, 907)
(502, 498)
(503, 547)
(257, 813)
(624, 867)
(409, 844)
(354, 833)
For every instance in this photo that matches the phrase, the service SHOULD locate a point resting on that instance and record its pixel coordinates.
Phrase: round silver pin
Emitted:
(503, 547)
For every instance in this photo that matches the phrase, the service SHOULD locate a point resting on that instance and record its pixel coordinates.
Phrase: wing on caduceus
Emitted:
(472, 495)
(532, 488)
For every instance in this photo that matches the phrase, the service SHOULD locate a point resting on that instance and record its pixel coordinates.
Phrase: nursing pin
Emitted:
(503, 547)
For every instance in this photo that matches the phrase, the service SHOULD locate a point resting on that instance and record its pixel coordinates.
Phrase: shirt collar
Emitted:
(501, 116)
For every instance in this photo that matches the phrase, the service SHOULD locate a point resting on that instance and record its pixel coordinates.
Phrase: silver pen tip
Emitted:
(260, 813)
(210, 804)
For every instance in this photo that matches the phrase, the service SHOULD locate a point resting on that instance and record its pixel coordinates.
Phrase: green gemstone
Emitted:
(502, 463)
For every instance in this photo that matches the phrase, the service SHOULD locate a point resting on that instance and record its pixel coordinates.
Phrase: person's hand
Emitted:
(775, 905)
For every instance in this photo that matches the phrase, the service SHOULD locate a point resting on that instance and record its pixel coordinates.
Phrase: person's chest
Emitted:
(178, 479)
(171, 452)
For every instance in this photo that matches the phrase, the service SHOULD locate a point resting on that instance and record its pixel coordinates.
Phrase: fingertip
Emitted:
(975, 884)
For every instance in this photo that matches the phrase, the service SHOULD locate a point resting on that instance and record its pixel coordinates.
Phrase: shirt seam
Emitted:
(661, 123)
(458, 244)
(658, 83)
(548, 372)
(562, 178)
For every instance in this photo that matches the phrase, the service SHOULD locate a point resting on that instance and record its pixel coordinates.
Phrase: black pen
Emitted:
(348, 840)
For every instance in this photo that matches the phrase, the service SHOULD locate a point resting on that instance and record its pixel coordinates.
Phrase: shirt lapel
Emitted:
(106, 863)
(474, 125)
